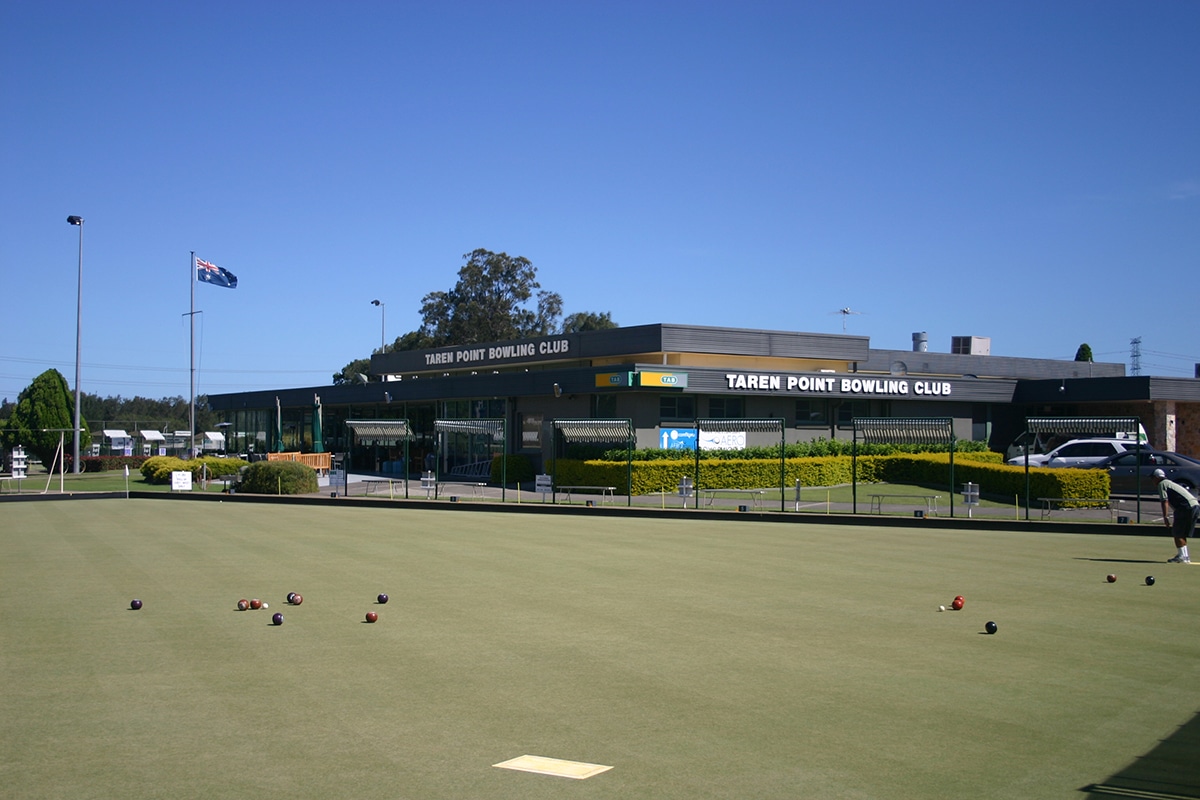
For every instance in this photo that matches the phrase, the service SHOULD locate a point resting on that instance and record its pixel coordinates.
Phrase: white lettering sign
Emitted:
(806, 384)
(475, 355)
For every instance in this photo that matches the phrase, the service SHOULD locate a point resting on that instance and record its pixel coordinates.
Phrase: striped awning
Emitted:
(116, 433)
(380, 431)
(595, 431)
(153, 436)
(900, 430)
(749, 425)
(482, 427)
(1095, 426)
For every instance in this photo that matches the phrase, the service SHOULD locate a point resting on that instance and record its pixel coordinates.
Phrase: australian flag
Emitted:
(211, 273)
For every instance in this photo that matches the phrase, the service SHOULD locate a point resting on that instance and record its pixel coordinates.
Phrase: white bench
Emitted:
(389, 482)
(755, 495)
(1052, 504)
(476, 488)
(930, 501)
(603, 491)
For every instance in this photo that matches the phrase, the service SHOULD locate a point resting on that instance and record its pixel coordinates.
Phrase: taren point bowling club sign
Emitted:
(833, 384)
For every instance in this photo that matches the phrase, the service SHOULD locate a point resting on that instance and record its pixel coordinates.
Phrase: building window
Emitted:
(726, 407)
(849, 409)
(604, 406)
(531, 431)
(677, 407)
(812, 412)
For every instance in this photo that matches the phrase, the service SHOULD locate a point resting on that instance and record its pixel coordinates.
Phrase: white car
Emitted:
(1076, 453)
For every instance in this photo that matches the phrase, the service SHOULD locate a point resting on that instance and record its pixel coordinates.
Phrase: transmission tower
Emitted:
(1135, 356)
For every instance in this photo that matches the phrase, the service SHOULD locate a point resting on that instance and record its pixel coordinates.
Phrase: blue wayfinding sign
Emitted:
(677, 439)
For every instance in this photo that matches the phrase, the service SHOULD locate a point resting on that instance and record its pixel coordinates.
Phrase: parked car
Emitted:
(1123, 471)
(1077, 453)
(1043, 442)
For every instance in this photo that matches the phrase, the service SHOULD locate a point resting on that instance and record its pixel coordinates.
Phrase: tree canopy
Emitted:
(497, 297)
(1084, 353)
(44, 416)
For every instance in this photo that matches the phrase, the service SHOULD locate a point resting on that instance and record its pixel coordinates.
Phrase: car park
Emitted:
(1076, 453)
(1039, 443)
(1124, 473)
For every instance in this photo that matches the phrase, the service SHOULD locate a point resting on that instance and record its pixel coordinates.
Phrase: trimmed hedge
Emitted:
(110, 463)
(519, 469)
(158, 469)
(995, 479)
(279, 477)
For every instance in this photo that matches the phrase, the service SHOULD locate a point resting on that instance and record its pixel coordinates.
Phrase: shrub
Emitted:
(279, 477)
(516, 468)
(158, 469)
(217, 467)
(930, 469)
(109, 463)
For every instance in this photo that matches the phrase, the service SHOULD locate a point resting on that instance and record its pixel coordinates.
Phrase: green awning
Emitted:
(595, 431)
(380, 431)
(726, 425)
(900, 430)
(1095, 426)
(482, 427)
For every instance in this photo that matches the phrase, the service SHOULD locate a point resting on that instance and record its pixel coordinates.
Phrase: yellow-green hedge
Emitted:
(994, 478)
(158, 469)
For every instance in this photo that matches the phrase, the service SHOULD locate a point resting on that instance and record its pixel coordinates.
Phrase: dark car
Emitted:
(1123, 470)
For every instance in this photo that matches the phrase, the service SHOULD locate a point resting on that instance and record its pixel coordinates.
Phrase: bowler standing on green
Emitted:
(1186, 508)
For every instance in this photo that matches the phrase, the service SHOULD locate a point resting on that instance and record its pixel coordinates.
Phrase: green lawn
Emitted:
(111, 481)
(698, 658)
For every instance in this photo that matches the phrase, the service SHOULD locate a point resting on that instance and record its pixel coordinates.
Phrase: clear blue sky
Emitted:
(1026, 171)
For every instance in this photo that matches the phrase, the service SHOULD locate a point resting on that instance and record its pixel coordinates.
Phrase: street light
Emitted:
(74, 220)
(382, 323)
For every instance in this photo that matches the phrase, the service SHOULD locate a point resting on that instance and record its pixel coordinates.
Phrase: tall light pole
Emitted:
(382, 323)
(74, 220)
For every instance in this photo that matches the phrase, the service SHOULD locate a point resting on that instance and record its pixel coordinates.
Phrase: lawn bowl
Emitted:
(135, 605)
(277, 618)
(372, 616)
(383, 598)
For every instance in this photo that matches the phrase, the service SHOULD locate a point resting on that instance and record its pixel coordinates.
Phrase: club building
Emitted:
(663, 377)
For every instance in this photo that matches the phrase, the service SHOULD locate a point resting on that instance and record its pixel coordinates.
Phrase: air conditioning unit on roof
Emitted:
(971, 345)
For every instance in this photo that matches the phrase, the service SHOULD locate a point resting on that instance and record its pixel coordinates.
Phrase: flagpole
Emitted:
(192, 366)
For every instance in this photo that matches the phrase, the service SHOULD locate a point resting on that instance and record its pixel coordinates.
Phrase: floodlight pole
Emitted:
(77, 220)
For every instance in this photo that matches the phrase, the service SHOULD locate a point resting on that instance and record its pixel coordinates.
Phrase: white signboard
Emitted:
(727, 440)
(543, 484)
(181, 481)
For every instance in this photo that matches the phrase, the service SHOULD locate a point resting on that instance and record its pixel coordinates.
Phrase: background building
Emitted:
(663, 377)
